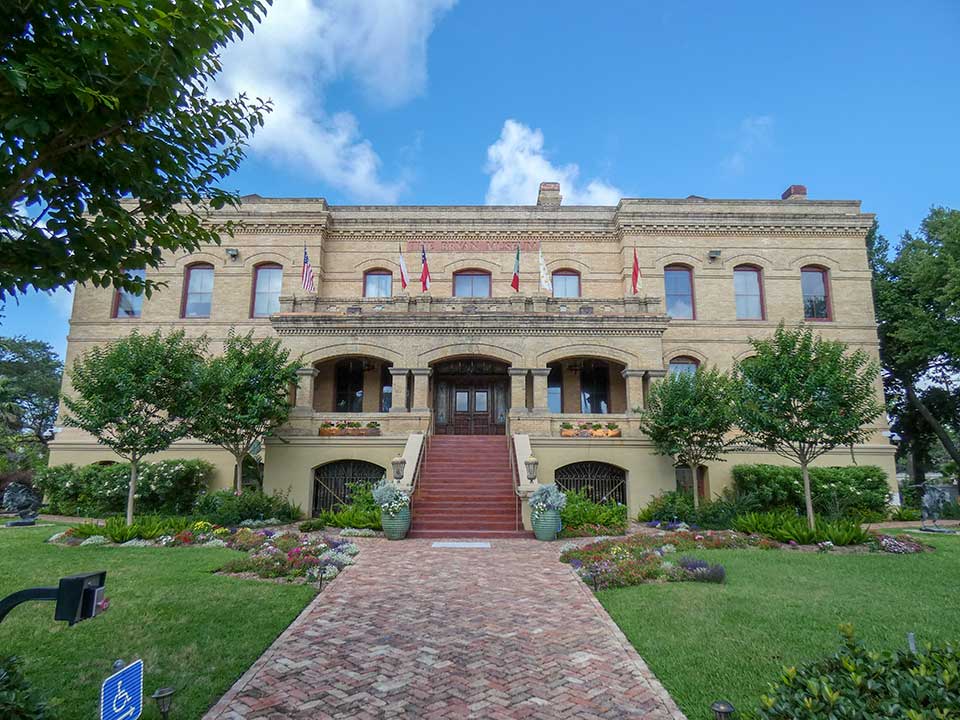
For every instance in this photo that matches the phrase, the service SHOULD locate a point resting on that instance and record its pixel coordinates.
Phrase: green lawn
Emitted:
(195, 631)
(707, 642)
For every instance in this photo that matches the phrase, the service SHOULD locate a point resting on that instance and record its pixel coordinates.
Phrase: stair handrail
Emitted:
(515, 474)
(419, 466)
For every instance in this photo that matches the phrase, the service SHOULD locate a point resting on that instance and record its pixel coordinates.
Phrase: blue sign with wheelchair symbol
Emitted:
(121, 695)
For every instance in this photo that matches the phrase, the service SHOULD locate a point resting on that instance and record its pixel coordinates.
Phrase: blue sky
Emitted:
(442, 102)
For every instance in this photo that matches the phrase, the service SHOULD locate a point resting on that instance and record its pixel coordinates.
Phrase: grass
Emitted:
(195, 631)
(707, 642)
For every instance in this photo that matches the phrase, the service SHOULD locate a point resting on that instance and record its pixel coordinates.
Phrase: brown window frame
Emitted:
(686, 360)
(377, 271)
(674, 267)
(187, 271)
(749, 267)
(269, 265)
(827, 294)
(569, 272)
(472, 272)
(115, 305)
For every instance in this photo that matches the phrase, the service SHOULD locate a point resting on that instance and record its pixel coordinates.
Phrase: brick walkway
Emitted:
(413, 631)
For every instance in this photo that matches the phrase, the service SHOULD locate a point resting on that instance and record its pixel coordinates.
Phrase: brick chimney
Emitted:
(795, 192)
(549, 195)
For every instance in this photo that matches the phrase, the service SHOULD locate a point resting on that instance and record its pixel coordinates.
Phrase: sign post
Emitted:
(121, 695)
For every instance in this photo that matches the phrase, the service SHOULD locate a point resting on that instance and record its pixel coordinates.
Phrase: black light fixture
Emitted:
(164, 699)
(722, 710)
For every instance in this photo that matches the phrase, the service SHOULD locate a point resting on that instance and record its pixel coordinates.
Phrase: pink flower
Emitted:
(698, 537)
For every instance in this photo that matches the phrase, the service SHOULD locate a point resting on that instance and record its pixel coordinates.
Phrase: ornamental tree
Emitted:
(112, 147)
(133, 394)
(689, 417)
(801, 396)
(242, 395)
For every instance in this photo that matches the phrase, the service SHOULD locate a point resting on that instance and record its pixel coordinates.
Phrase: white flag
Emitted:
(545, 281)
(404, 277)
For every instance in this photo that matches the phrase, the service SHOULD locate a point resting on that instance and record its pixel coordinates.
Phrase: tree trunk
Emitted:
(238, 475)
(807, 494)
(134, 467)
(952, 450)
(696, 494)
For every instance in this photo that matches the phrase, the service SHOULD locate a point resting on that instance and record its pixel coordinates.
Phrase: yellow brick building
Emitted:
(473, 356)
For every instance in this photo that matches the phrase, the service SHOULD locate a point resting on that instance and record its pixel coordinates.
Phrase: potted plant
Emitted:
(584, 429)
(372, 428)
(327, 429)
(613, 430)
(566, 430)
(546, 502)
(596, 430)
(394, 509)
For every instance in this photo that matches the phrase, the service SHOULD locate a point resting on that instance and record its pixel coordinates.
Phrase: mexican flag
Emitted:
(515, 283)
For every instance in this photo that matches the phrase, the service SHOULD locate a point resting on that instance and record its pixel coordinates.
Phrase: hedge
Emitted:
(169, 487)
(848, 491)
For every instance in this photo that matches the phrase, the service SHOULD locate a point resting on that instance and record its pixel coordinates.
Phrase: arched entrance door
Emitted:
(471, 397)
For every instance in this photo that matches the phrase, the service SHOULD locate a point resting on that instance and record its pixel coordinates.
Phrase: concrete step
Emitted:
(472, 534)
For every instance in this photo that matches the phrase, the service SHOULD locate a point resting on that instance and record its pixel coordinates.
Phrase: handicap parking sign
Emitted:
(121, 695)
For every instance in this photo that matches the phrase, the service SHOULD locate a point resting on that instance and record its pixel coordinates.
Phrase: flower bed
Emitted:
(350, 429)
(588, 429)
(288, 555)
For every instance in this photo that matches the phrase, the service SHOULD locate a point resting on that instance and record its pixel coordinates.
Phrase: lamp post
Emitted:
(164, 699)
(722, 710)
(399, 465)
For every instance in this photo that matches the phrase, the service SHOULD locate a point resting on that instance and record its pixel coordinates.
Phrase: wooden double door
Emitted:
(471, 405)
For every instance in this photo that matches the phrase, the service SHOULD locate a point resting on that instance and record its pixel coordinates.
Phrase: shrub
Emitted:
(546, 498)
(390, 499)
(225, 507)
(118, 531)
(712, 514)
(668, 506)
(169, 487)
(858, 683)
(906, 514)
(580, 511)
(85, 530)
(362, 512)
(18, 701)
(837, 491)
(788, 526)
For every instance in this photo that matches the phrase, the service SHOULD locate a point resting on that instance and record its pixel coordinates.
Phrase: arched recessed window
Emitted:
(815, 284)
(595, 387)
(267, 282)
(377, 283)
(678, 289)
(125, 303)
(566, 284)
(683, 364)
(748, 292)
(471, 283)
(197, 291)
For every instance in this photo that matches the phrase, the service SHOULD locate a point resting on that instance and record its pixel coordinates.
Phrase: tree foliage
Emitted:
(801, 396)
(689, 417)
(916, 295)
(32, 371)
(132, 395)
(242, 395)
(110, 144)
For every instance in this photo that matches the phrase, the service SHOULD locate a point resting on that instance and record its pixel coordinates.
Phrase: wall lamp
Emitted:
(233, 253)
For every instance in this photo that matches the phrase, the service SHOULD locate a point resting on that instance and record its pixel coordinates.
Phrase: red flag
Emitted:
(404, 277)
(425, 272)
(636, 272)
(515, 283)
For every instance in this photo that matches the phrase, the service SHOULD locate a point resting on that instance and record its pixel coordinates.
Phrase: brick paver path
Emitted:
(413, 631)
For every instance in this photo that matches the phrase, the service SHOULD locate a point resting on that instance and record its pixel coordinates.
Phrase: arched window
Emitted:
(267, 281)
(595, 387)
(348, 385)
(377, 283)
(197, 291)
(335, 483)
(600, 481)
(127, 304)
(748, 292)
(678, 289)
(471, 283)
(566, 284)
(815, 284)
(683, 364)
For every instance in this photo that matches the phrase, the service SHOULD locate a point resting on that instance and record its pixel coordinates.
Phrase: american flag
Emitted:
(306, 277)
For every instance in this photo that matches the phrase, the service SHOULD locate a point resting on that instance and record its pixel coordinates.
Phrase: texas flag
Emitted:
(515, 283)
(425, 272)
(404, 275)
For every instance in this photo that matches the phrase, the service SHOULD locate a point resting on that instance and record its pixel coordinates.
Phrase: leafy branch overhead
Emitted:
(111, 144)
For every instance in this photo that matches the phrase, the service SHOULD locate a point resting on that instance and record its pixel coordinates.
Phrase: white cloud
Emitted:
(517, 165)
(754, 135)
(304, 46)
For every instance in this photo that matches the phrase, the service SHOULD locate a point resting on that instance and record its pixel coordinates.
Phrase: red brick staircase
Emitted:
(466, 490)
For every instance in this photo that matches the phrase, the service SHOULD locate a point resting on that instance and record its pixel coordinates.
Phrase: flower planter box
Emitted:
(603, 432)
(349, 432)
